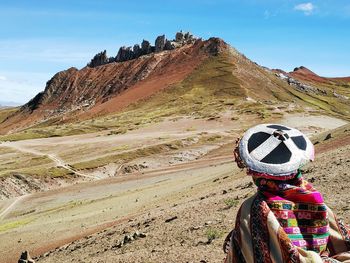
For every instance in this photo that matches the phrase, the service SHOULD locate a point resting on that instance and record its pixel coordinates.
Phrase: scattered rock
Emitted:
(128, 239)
(339, 96)
(300, 86)
(329, 136)
(170, 219)
(202, 241)
(25, 258)
(133, 168)
(192, 228)
(247, 185)
(208, 223)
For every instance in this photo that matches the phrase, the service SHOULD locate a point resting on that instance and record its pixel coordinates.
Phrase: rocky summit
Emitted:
(108, 85)
(131, 161)
(129, 53)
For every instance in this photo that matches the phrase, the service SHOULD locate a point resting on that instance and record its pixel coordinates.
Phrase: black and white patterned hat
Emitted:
(275, 149)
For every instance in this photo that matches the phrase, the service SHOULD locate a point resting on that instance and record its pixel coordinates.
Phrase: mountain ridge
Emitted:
(73, 95)
(78, 91)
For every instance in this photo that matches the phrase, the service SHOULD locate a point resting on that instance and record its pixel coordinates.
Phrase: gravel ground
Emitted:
(193, 229)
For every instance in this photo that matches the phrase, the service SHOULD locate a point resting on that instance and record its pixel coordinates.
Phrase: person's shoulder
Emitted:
(247, 204)
(250, 200)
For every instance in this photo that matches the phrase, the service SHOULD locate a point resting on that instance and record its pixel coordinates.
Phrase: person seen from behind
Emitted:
(287, 220)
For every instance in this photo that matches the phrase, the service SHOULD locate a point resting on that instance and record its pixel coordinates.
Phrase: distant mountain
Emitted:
(6, 104)
(304, 74)
(195, 70)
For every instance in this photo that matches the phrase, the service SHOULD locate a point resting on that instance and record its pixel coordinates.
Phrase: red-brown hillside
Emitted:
(108, 88)
(304, 74)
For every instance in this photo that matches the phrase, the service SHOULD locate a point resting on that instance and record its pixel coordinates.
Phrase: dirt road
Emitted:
(12, 205)
(47, 220)
(59, 162)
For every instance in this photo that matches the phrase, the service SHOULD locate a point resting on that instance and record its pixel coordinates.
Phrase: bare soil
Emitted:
(184, 208)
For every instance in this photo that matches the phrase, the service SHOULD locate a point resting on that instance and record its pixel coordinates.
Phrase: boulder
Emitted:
(146, 47)
(124, 54)
(25, 258)
(137, 50)
(189, 38)
(160, 43)
(179, 37)
(169, 45)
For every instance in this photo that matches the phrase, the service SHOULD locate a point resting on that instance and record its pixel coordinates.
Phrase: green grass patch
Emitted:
(212, 233)
(4, 113)
(129, 155)
(15, 224)
(20, 162)
(230, 202)
(209, 90)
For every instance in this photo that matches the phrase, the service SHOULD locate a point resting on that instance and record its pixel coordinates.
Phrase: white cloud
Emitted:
(306, 8)
(3, 78)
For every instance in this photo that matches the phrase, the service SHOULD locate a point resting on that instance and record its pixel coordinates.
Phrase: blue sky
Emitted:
(39, 38)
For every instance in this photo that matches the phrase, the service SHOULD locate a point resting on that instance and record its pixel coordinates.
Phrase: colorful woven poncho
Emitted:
(299, 209)
(286, 221)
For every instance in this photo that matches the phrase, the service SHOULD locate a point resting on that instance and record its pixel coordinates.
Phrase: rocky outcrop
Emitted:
(159, 43)
(124, 54)
(75, 94)
(169, 45)
(146, 47)
(137, 50)
(300, 86)
(99, 59)
(129, 53)
(179, 37)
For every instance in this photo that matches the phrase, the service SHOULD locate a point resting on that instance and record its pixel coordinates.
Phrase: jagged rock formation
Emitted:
(129, 53)
(146, 47)
(169, 45)
(93, 91)
(137, 50)
(124, 54)
(99, 59)
(159, 43)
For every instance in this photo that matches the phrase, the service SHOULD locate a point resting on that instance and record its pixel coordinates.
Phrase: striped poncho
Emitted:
(286, 221)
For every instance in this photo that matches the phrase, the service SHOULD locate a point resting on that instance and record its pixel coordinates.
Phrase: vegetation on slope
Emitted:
(5, 112)
(210, 89)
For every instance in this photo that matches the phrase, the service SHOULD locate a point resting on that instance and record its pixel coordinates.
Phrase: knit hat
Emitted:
(274, 149)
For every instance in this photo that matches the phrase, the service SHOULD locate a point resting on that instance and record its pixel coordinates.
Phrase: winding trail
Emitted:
(59, 162)
(9, 208)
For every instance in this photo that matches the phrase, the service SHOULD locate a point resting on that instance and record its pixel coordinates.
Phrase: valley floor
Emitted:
(183, 202)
